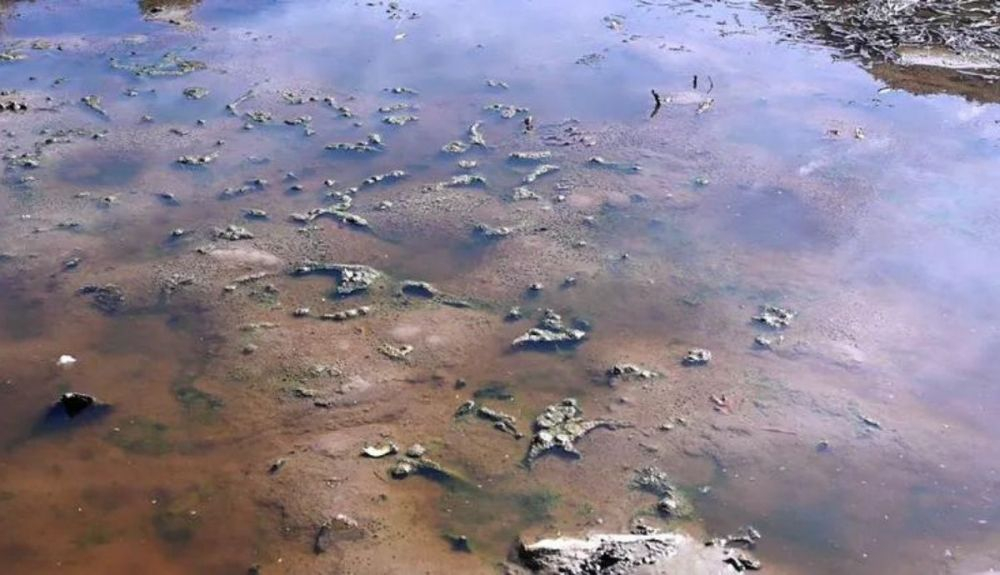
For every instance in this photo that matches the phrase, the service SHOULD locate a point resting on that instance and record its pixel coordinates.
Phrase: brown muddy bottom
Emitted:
(189, 188)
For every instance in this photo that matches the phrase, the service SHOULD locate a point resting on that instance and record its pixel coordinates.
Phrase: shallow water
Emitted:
(804, 184)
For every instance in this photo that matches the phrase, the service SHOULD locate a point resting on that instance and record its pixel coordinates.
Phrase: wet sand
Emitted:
(861, 441)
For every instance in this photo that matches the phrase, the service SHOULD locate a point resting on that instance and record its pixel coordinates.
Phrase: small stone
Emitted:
(276, 466)
(380, 451)
(697, 356)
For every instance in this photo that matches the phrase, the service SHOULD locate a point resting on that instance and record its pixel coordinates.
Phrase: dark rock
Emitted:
(75, 408)
(459, 543)
(74, 404)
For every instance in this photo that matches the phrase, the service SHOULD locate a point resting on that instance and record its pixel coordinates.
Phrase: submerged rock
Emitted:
(672, 502)
(400, 120)
(506, 111)
(168, 65)
(455, 147)
(558, 428)
(108, 298)
(465, 180)
(372, 144)
(344, 315)
(598, 161)
(530, 156)
(94, 103)
(195, 93)
(502, 421)
(539, 172)
(334, 212)
(550, 333)
(522, 193)
(765, 342)
(350, 278)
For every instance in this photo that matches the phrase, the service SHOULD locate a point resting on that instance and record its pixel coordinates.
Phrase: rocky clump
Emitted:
(333, 212)
(396, 352)
(672, 502)
(455, 147)
(625, 371)
(400, 119)
(350, 278)
(627, 554)
(197, 160)
(539, 172)
(13, 106)
(551, 332)
(560, 426)
(530, 156)
(233, 233)
(489, 232)
(464, 181)
(774, 317)
(372, 144)
(386, 177)
(195, 93)
(346, 314)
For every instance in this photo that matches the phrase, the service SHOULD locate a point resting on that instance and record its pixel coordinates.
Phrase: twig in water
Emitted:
(658, 102)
